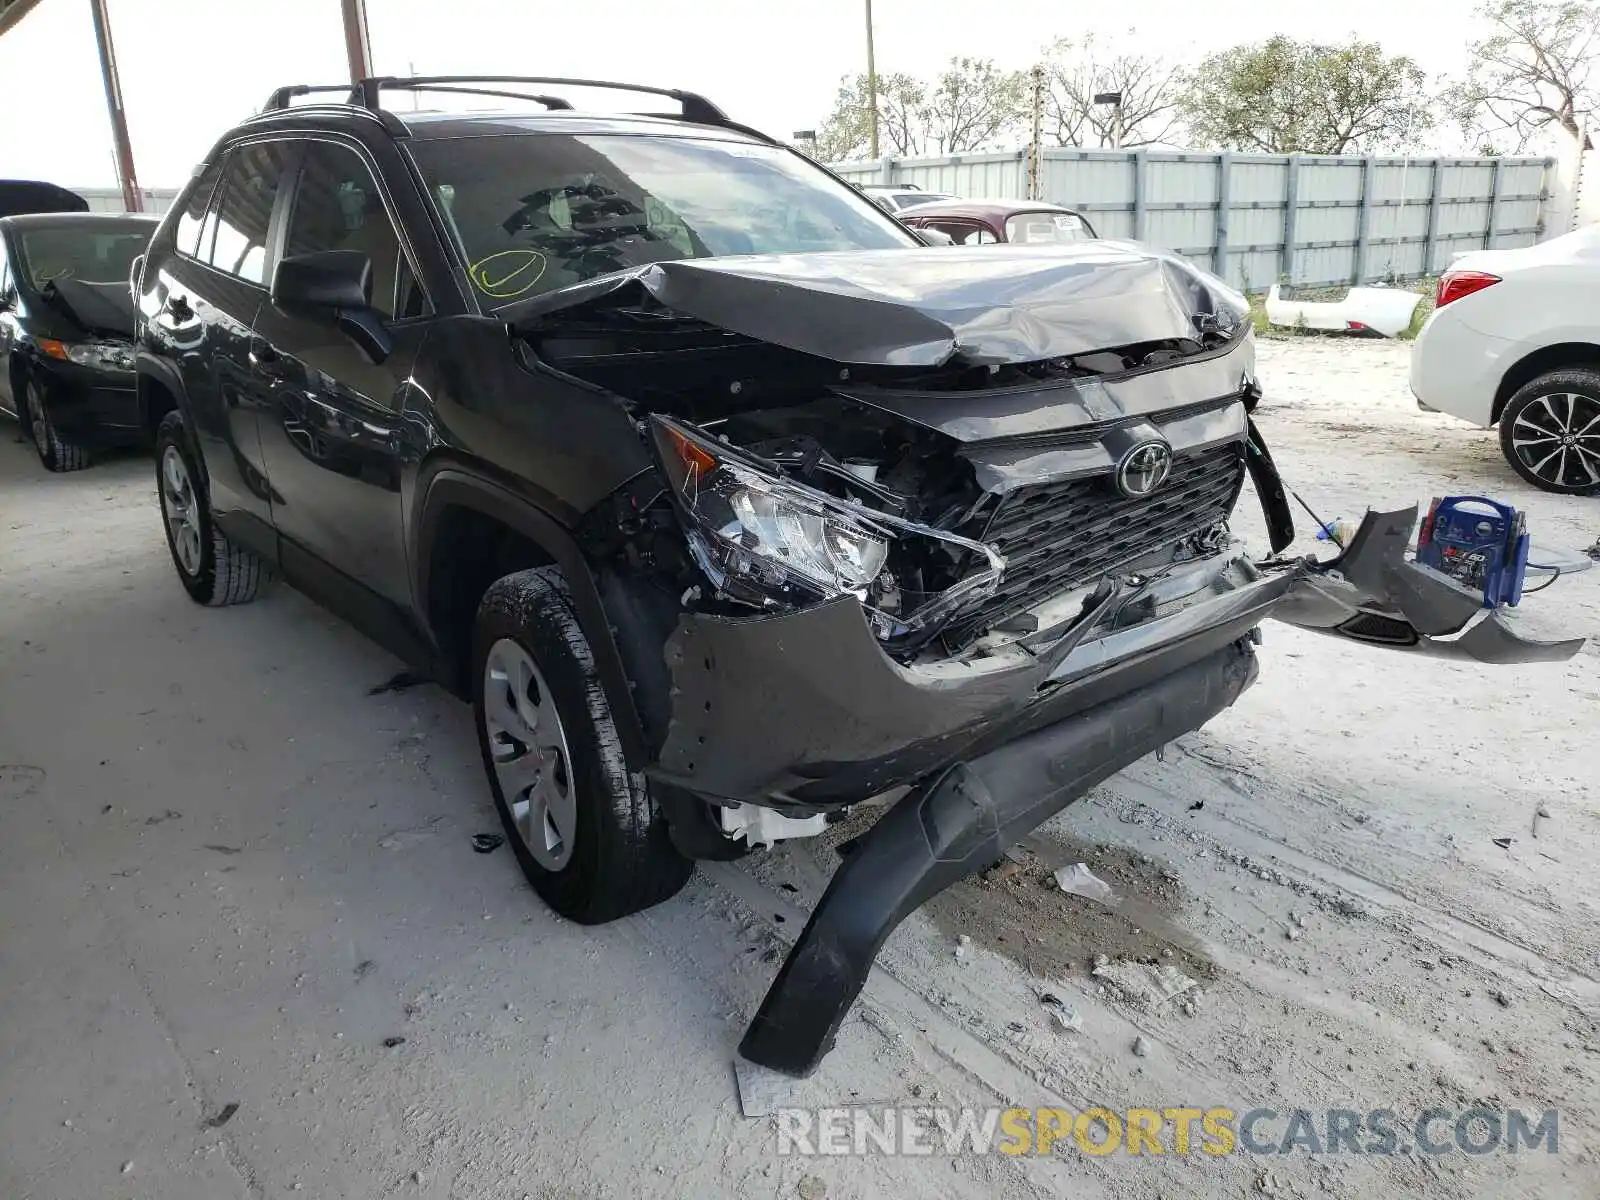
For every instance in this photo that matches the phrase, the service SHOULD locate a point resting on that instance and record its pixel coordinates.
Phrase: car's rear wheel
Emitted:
(1550, 431)
(55, 452)
(214, 570)
(587, 833)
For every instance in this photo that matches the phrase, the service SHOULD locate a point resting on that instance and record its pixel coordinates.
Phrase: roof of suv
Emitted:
(542, 112)
(424, 125)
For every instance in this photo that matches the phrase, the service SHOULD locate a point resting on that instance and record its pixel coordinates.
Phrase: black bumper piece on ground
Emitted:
(959, 822)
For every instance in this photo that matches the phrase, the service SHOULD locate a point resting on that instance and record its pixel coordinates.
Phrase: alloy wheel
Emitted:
(181, 508)
(528, 746)
(1557, 438)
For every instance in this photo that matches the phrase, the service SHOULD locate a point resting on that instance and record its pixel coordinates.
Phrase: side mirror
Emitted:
(333, 287)
(316, 286)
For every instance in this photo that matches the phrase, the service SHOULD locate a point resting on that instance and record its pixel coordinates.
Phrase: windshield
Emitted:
(98, 253)
(533, 213)
(1047, 228)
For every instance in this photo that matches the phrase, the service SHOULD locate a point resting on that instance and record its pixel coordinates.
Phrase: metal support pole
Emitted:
(357, 45)
(131, 200)
(1291, 218)
(1435, 197)
(872, 85)
(1141, 173)
(1035, 149)
(1369, 180)
(1219, 258)
(1494, 206)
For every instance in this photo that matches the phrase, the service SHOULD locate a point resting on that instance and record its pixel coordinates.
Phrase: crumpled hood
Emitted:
(103, 308)
(925, 307)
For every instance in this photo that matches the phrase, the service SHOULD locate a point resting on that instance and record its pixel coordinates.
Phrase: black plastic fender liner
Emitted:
(959, 822)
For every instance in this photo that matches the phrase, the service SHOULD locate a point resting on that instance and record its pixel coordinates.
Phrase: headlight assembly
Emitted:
(775, 543)
(104, 356)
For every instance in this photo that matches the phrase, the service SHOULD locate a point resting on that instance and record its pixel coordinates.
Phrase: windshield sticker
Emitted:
(508, 273)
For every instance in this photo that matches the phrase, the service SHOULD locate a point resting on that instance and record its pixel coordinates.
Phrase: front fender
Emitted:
(457, 486)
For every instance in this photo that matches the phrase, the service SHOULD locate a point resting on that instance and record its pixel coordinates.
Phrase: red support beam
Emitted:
(131, 200)
(357, 45)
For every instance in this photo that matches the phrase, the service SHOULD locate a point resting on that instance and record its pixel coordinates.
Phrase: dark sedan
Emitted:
(986, 222)
(66, 331)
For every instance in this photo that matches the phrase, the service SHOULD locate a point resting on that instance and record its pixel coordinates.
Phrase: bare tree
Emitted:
(972, 104)
(1536, 69)
(1079, 69)
(902, 119)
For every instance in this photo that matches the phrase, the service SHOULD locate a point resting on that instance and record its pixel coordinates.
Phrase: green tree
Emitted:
(902, 119)
(1535, 69)
(1287, 97)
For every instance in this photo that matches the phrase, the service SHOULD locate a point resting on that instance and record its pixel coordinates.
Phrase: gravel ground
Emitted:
(231, 877)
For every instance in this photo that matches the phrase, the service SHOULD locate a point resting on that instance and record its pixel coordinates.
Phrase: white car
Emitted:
(894, 197)
(1515, 341)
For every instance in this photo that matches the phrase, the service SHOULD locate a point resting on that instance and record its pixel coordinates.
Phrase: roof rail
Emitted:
(695, 106)
(366, 93)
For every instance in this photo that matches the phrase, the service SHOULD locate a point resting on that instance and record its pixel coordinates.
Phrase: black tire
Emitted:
(55, 453)
(1550, 432)
(224, 572)
(621, 859)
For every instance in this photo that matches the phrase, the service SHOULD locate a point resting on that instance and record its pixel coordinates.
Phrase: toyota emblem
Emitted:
(1144, 468)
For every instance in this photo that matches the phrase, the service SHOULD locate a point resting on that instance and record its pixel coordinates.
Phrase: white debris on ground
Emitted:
(231, 877)
(1081, 881)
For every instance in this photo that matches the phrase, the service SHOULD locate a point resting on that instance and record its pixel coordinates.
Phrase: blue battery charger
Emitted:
(1479, 543)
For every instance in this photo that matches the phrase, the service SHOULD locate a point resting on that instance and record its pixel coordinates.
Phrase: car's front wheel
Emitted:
(1550, 431)
(214, 570)
(55, 452)
(588, 834)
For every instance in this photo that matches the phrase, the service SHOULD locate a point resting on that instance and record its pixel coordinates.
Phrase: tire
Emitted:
(214, 570)
(604, 851)
(54, 452)
(1550, 432)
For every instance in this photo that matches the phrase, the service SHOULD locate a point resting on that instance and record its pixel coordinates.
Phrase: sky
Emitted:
(191, 68)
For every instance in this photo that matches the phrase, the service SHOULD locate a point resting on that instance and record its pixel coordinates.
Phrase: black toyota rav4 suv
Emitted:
(727, 502)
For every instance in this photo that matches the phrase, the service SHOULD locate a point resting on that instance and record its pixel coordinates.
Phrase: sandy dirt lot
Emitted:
(248, 951)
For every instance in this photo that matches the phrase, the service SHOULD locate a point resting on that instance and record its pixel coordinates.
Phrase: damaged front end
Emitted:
(952, 522)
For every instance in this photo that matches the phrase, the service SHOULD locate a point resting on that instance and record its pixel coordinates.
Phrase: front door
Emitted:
(333, 439)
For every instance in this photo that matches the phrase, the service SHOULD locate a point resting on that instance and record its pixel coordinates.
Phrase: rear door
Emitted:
(207, 294)
(333, 437)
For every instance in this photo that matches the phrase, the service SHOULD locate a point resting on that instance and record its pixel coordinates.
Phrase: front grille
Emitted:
(1059, 535)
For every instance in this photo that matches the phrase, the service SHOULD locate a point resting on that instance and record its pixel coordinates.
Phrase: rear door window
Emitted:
(963, 233)
(244, 211)
(186, 237)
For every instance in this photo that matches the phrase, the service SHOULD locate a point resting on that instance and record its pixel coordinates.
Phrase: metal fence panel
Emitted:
(104, 199)
(1345, 219)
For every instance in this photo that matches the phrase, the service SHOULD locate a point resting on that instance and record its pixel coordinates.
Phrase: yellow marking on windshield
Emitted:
(508, 273)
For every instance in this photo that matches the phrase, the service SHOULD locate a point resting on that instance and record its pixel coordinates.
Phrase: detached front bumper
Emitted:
(804, 711)
(1014, 745)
